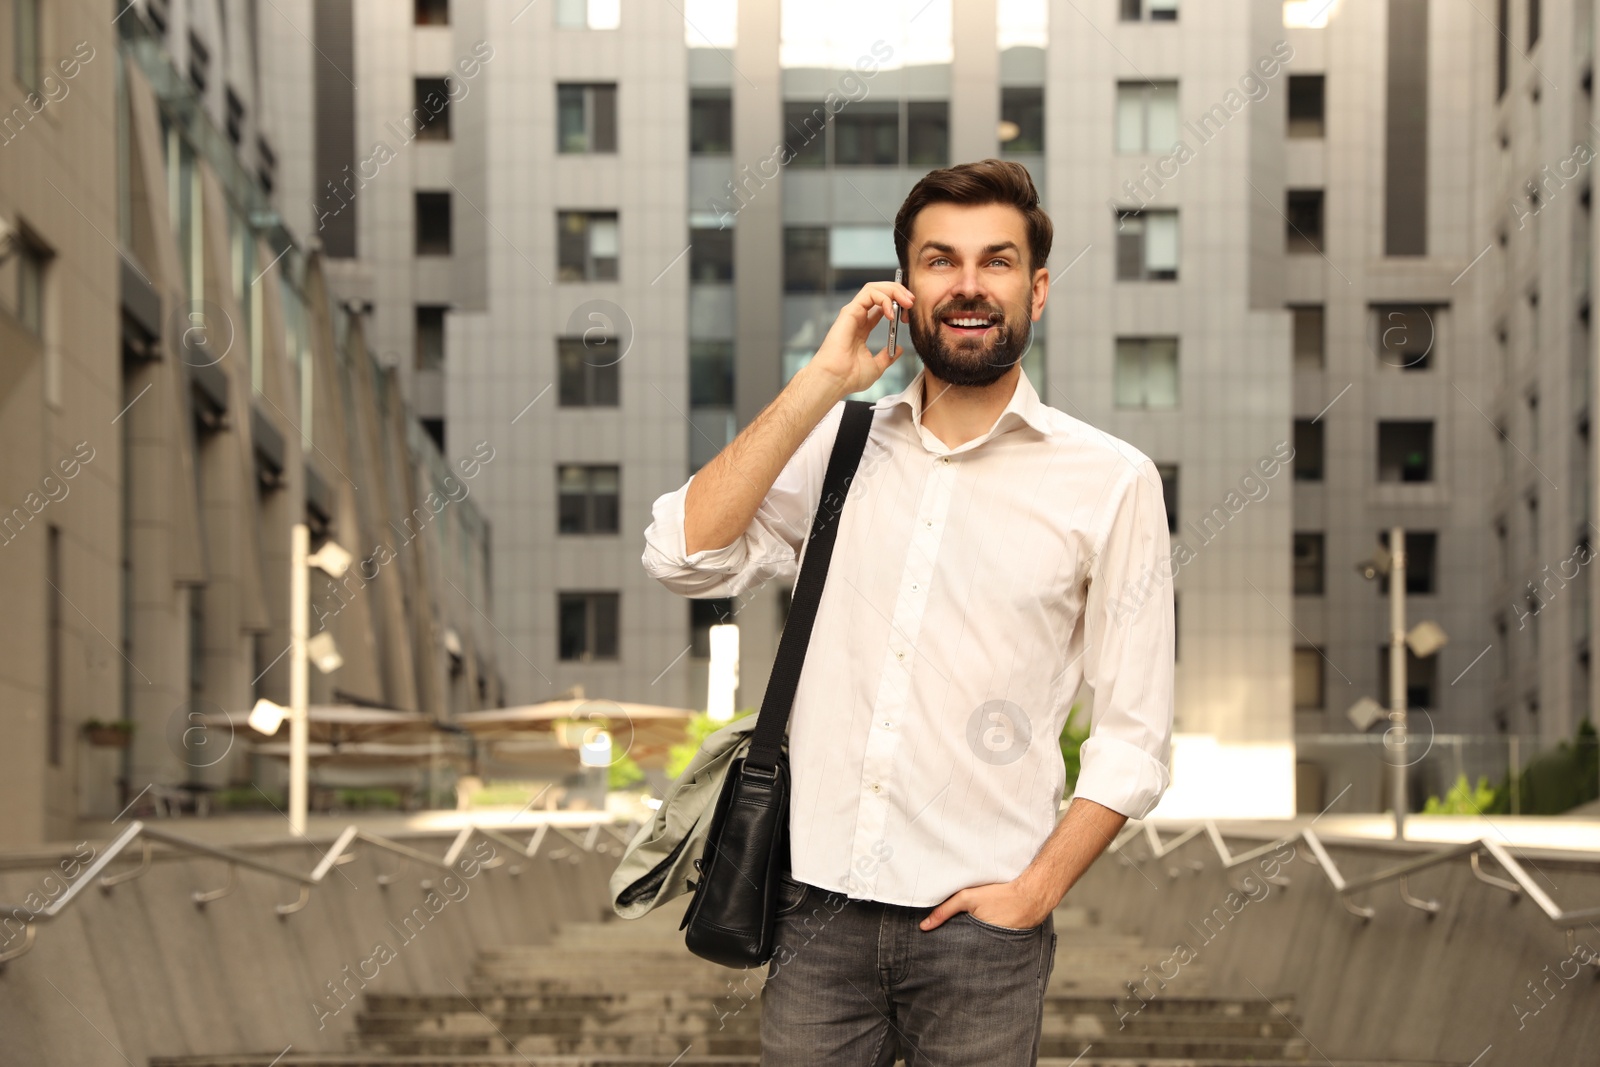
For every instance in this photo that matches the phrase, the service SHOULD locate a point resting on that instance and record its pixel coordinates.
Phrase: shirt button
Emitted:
(927, 522)
(913, 587)
(887, 725)
(876, 788)
(944, 459)
(899, 654)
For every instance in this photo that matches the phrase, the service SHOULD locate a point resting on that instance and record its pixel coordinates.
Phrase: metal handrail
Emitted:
(143, 834)
(1520, 883)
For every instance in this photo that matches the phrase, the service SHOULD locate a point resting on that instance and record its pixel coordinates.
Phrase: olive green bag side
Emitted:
(657, 864)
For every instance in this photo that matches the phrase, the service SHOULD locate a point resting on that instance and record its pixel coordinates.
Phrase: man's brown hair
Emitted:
(988, 181)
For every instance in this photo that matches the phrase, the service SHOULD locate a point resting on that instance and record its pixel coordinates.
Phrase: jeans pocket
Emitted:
(791, 895)
(1011, 930)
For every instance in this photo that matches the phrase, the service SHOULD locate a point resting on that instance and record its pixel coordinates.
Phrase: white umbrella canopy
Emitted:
(643, 731)
(339, 724)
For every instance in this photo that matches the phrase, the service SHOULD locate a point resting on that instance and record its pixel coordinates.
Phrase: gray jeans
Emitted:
(856, 983)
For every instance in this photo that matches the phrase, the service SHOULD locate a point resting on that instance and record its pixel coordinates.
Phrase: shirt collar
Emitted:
(1024, 407)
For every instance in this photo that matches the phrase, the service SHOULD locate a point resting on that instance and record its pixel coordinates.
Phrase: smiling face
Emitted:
(977, 300)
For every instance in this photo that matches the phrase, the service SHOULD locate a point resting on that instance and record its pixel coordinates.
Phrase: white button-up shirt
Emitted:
(971, 589)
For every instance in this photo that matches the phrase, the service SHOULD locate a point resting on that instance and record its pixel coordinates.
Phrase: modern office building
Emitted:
(603, 234)
(178, 390)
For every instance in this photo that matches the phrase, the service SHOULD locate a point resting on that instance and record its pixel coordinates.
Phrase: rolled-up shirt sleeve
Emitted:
(769, 548)
(1128, 658)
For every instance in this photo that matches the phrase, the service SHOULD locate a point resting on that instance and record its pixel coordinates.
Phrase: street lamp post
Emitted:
(333, 561)
(299, 674)
(1397, 669)
(1424, 639)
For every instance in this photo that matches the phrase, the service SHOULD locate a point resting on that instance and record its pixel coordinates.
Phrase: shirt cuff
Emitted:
(728, 559)
(1120, 776)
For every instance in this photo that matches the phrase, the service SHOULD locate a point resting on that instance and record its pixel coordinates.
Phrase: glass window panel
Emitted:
(1161, 372)
(862, 246)
(1162, 128)
(1130, 119)
(603, 237)
(928, 133)
(605, 118)
(1161, 241)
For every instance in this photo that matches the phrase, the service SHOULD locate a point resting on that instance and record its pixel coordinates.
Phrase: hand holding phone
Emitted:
(894, 319)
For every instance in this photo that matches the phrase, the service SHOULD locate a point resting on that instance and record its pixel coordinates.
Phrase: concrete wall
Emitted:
(142, 971)
(1401, 985)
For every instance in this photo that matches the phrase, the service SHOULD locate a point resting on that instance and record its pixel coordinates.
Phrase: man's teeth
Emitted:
(967, 322)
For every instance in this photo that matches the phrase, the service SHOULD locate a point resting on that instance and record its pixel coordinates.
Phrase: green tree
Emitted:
(1072, 739)
(700, 727)
(1462, 799)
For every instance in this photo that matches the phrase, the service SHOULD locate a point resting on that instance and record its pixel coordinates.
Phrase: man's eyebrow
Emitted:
(988, 250)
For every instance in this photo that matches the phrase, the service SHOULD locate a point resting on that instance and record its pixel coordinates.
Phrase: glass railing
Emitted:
(1489, 774)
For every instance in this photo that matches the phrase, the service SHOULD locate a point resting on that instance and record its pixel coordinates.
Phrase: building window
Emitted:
(588, 372)
(1307, 678)
(1308, 564)
(1533, 23)
(430, 337)
(1407, 334)
(1502, 541)
(1146, 373)
(199, 64)
(588, 499)
(1405, 451)
(1422, 673)
(805, 133)
(1422, 550)
(433, 224)
(1021, 120)
(1303, 232)
(711, 255)
(710, 122)
(434, 428)
(927, 133)
(54, 676)
(1305, 105)
(805, 259)
(588, 626)
(235, 117)
(431, 13)
(1147, 116)
(266, 165)
(1307, 450)
(1308, 336)
(1147, 245)
(588, 246)
(587, 118)
(431, 108)
(868, 134)
(703, 615)
(25, 51)
(1149, 10)
(1502, 43)
(588, 14)
(711, 374)
(32, 264)
(819, 259)
(1169, 493)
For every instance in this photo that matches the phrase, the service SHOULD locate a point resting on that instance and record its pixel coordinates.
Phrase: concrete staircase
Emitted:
(609, 994)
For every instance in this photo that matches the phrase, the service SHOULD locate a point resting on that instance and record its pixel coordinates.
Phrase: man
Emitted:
(992, 553)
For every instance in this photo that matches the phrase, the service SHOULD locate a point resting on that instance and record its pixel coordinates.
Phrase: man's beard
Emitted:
(975, 360)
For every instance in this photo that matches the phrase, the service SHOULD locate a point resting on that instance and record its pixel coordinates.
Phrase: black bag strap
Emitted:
(773, 721)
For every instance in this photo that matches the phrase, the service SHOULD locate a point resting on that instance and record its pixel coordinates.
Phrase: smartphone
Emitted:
(894, 320)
